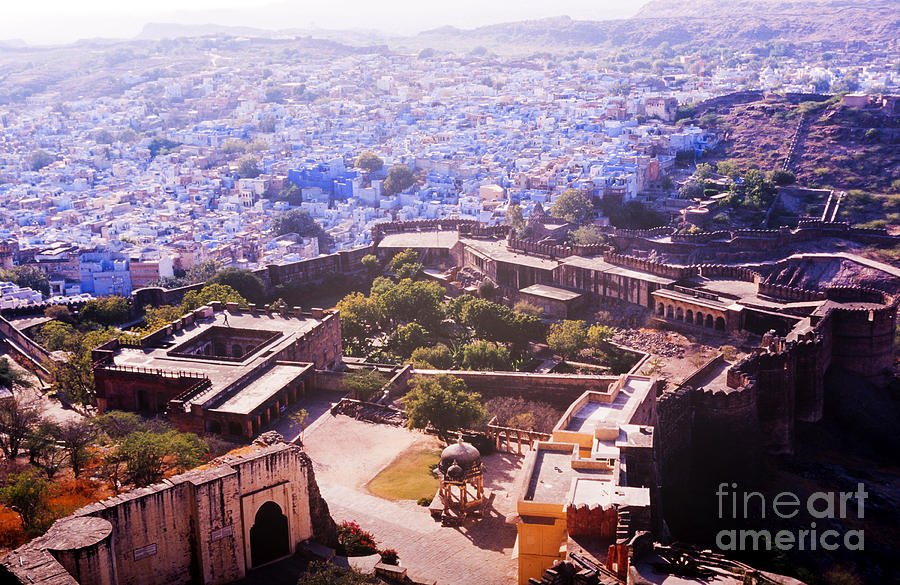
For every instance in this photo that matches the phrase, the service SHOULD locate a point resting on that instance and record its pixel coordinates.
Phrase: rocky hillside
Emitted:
(839, 147)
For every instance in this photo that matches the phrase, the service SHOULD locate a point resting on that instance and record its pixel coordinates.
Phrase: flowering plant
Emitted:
(354, 541)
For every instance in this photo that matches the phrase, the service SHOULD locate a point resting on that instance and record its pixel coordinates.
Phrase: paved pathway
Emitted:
(347, 453)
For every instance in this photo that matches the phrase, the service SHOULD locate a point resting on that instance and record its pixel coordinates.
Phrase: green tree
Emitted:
(586, 235)
(248, 168)
(27, 277)
(29, 495)
(110, 310)
(162, 146)
(598, 335)
(244, 282)
(371, 264)
(74, 378)
(369, 162)
(703, 171)
(290, 193)
(59, 312)
(486, 356)
(211, 292)
(438, 357)
(406, 338)
(567, 337)
(515, 219)
(359, 320)
(574, 206)
(728, 168)
(781, 177)
(487, 289)
(363, 384)
(39, 159)
(117, 424)
(299, 221)
(444, 403)
(526, 308)
(157, 317)
(145, 454)
(399, 179)
(406, 264)
(76, 437)
(411, 301)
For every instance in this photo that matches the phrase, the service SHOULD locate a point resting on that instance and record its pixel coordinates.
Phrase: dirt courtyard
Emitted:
(347, 453)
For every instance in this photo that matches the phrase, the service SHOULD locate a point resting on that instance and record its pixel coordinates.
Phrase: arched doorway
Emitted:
(269, 536)
(720, 324)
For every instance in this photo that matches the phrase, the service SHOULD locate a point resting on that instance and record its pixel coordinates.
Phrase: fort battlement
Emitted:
(649, 266)
(728, 271)
(789, 293)
(554, 250)
(731, 402)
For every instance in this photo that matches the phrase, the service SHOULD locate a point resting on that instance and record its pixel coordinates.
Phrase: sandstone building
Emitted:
(208, 526)
(219, 370)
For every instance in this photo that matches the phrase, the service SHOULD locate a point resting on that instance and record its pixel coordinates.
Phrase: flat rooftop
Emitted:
(257, 392)
(221, 374)
(598, 264)
(499, 251)
(430, 239)
(550, 292)
(592, 413)
(591, 492)
(553, 474)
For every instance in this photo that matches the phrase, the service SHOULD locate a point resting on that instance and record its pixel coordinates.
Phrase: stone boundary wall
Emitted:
(559, 390)
(702, 371)
(32, 355)
(379, 230)
(790, 293)
(657, 268)
(728, 271)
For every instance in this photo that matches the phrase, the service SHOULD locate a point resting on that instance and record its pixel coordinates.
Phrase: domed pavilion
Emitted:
(461, 482)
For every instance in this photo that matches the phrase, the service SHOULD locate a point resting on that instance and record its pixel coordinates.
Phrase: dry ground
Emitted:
(347, 453)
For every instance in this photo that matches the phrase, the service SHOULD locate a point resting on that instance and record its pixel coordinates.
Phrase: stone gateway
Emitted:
(208, 526)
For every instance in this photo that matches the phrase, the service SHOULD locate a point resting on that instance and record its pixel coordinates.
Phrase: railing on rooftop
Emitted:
(151, 371)
(696, 293)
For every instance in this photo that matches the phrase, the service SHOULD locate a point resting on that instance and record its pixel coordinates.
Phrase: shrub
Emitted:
(424, 502)
(389, 556)
(353, 541)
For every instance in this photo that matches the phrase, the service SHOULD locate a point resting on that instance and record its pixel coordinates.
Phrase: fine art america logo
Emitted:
(819, 506)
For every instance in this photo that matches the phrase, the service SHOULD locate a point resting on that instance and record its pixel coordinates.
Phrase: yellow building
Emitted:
(576, 483)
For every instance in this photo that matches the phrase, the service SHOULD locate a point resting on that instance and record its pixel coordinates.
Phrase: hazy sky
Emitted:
(64, 21)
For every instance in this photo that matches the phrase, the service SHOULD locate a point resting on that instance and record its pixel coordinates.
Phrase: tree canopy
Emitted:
(443, 402)
(248, 168)
(399, 178)
(244, 282)
(27, 277)
(299, 221)
(567, 337)
(369, 162)
(364, 383)
(572, 205)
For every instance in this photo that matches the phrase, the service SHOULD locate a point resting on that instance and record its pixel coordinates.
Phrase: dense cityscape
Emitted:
(538, 302)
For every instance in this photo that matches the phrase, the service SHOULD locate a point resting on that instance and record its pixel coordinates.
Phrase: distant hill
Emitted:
(735, 23)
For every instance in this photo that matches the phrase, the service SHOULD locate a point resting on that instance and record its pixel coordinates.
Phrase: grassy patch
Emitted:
(408, 477)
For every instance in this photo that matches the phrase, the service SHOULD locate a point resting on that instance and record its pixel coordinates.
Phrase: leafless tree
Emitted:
(18, 416)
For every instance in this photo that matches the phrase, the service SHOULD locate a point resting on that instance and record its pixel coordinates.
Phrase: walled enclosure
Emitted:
(206, 526)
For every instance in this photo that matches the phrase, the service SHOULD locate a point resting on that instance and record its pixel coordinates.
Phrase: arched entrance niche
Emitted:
(269, 536)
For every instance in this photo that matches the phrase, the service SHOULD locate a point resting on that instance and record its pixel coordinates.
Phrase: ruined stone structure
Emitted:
(208, 526)
(220, 369)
